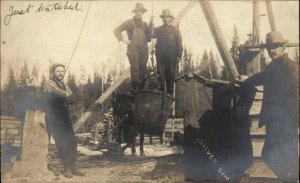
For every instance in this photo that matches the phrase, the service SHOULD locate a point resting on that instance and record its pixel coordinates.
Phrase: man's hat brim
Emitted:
(278, 43)
(136, 10)
(161, 16)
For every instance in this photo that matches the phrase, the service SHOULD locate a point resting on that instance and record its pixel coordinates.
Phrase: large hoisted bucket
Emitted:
(152, 111)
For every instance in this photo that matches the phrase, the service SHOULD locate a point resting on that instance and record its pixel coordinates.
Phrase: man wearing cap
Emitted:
(139, 35)
(280, 107)
(168, 50)
(58, 120)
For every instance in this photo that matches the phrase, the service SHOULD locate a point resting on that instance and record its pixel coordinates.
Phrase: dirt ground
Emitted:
(161, 164)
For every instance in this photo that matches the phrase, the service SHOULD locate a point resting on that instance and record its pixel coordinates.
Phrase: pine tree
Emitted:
(12, 82)
(187, 61)
(213, 66)
(204, 66)
(24, 76)
(97, 84)
(234, 50)
(224, 74)
(41, 84)
(71, 82)
(8, 94)
(88, 92)
(34, 76)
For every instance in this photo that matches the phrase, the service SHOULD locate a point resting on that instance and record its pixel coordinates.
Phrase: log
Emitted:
(33, 162)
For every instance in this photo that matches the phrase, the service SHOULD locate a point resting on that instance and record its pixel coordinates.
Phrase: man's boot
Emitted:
(75, 171)
(68, 173)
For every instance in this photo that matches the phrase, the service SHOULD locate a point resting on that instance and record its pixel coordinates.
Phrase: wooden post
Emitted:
(256, 22)
(33, 162)
(271, 15)
(219, 38)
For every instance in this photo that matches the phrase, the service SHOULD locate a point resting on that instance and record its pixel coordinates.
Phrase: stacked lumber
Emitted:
(11, 131)
(174, 131)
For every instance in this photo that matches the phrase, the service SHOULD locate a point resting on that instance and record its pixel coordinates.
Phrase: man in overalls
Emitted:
(139, 34)
(168, 50)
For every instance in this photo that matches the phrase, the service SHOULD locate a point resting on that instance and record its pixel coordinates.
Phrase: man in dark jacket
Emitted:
(280, 107)
(168, 50)
(139, 35)
(58, 120)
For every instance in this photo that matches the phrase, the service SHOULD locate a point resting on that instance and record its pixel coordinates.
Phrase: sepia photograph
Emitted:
(149, 91)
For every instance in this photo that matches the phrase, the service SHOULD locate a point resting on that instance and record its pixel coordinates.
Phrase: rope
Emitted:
(76, 45)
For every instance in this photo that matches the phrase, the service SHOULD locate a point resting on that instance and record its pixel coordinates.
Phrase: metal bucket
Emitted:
(152, 111)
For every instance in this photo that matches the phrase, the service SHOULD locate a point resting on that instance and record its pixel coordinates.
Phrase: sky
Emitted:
(41, 37)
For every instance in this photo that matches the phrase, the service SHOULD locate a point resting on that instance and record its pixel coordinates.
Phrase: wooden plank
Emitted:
(256, 22)
(8, 118)
(219, 38)
(85, 116)
(176, 130)
(8, 121)
(271, 16)
(176, 120)
(176, 126)
(11, 126)
(255, 130)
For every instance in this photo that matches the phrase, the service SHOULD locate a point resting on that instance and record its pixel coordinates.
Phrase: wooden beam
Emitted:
(264, 46)
(86, 115)
(271, 15)
(219, 38)
(183, 12)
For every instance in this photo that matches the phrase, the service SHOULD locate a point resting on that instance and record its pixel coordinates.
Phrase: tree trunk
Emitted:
(33, 162)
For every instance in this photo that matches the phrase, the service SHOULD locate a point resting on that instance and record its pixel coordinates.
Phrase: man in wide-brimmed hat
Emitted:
(280, 108)
(168, 50)
(139, 35)
(58, 121)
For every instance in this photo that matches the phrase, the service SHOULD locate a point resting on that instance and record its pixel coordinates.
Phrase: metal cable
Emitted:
(90, 2)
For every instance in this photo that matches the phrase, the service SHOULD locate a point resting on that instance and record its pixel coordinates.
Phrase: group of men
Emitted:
(280, 104)
(168, 47)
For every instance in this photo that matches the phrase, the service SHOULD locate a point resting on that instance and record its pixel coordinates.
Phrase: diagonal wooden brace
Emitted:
(219, 38)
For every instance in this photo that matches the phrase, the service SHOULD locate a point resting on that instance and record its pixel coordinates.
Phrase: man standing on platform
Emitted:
(139, 35)
(58, 120)
(280, 109)
(168, 50)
